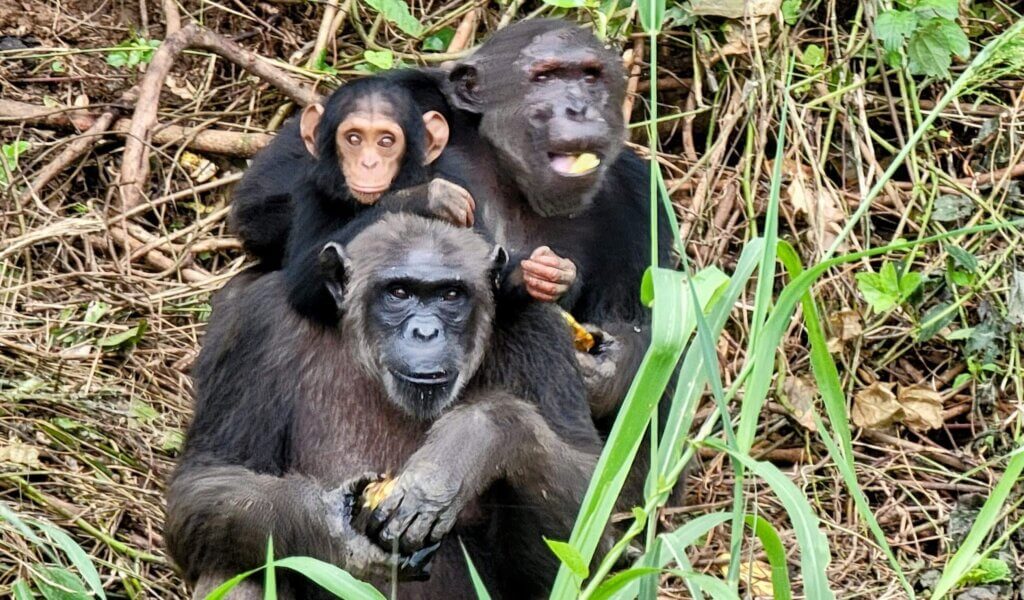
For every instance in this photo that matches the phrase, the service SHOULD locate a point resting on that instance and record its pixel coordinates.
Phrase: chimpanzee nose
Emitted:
(424, 330)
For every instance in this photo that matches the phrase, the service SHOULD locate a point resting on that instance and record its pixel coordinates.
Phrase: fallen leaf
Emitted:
(922, 407)
(735, 9)
(198, 168)
(846, 325)
(820, 207)
(799, 400)
(875, 407)
(756, 575)
(15, 452)
(1015, 302)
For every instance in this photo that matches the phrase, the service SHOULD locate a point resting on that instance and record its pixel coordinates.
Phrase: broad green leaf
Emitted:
(440, 40)
(988, 570)
(949, 9)
(117, 59)
(474, 576)
(95, 311)
(813, 57)
(21, 590)
(570, 557)
(932, 45)
(382, 59)
(894, 26)
(78, 557)
(882, 289)
(814, 548)
(962, 257)
(952, 207)
(397, 12)
(57, 583)
(909, 282)
(791, 11)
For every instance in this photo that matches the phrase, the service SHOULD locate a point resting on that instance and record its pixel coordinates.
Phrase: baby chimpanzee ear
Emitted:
(437, 135)
(308, 123)
(499, 259)
(334, 264)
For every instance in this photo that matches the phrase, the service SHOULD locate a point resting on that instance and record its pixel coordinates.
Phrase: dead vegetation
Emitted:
(112, 237)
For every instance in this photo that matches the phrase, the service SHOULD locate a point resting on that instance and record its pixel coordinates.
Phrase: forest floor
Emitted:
(109, 252)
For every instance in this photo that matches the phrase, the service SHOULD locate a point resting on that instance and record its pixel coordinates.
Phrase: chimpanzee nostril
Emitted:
(425, 332)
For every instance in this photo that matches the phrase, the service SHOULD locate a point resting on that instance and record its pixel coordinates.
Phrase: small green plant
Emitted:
(397, 12)
(9, 154)
(133, 51)
(927, 32)
(320, 64)
(439, 41)
(887, 288)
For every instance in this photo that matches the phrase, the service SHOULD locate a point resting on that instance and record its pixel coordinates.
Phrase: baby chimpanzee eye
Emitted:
(386, 141)
(591, 74)
(353, 138)
(398, 292)
(542, 76)
(452, 294)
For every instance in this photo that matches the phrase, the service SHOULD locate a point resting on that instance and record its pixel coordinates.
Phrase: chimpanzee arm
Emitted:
(492, 437)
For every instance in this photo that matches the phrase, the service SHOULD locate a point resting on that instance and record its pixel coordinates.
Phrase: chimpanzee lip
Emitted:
(362, 190)
(435, 378)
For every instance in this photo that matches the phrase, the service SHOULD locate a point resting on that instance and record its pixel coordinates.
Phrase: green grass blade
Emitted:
(966, 555)
(814, 549)
(21, 590)
(221, 591)
(713, 586)
(665, 288)
(474, 576)
(331, 578)
(776, 553)
(78, 557)
(270, 573)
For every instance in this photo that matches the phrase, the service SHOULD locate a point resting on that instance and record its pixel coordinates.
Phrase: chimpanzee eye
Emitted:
(353, 138)
(541, 77)
(386, 141)
(398, 292)
(591, 74)
(452, 294)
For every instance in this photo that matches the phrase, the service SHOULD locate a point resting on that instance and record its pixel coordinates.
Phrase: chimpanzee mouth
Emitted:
(435, 378)
(574, 164)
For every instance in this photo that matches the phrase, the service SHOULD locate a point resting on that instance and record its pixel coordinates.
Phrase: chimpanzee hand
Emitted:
(360, 556)
(600, 369)
(421, 508)
(548, 276)
(450, 202)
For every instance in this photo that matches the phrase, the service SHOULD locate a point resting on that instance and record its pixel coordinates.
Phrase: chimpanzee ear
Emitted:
(464, 88)
(334, 263)
(499, 259)
(308, 123)
(437, 135)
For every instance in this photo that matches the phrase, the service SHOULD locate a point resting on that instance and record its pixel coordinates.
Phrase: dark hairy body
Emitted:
(534, 94)
(288, 412)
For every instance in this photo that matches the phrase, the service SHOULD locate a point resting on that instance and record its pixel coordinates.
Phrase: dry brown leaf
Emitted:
(799, 401)
(756, 575)
(922, 407)
(15, 452)
(845, 325)
(875, 407)
(735, 9)
(820, 206)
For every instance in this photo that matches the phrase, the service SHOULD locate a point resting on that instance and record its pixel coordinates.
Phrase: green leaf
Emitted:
(22, 591)
(932, 45)
(95, 311)
(813, 57)
(652, 14)
(570, 557)
(78, 557)
(130, 336)
(320, 64)
(894, 26)
(117, 59)
(988, 570)
(572, 3)
(12, 151)
(791, 11)
(952, 207)
(331, 578)
(962, 257)
(58, 583)
(439, 41)
(269, 573)
(143, 411)
(382, 59)
(909, 282)
(882, 289)
(948, 9)
(933, 321)
(57, 67)
(776, 554)
(397, 12)
(474, 576)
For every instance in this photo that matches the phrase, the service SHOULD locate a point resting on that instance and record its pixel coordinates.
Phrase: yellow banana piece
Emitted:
(583, 163)
(581, 338)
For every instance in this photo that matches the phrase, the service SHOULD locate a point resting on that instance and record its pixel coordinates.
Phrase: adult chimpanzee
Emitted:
(290, 415)
(536, 101)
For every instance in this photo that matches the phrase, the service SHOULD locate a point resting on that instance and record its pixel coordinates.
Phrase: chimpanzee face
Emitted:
(550, 99)
(417, 300)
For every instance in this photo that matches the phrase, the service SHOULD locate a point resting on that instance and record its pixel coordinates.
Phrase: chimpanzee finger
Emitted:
(445, 523)
(545, 287)
(540, 251)
(415, 536)
(395, 528)
(544, 272)
(384, 513)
